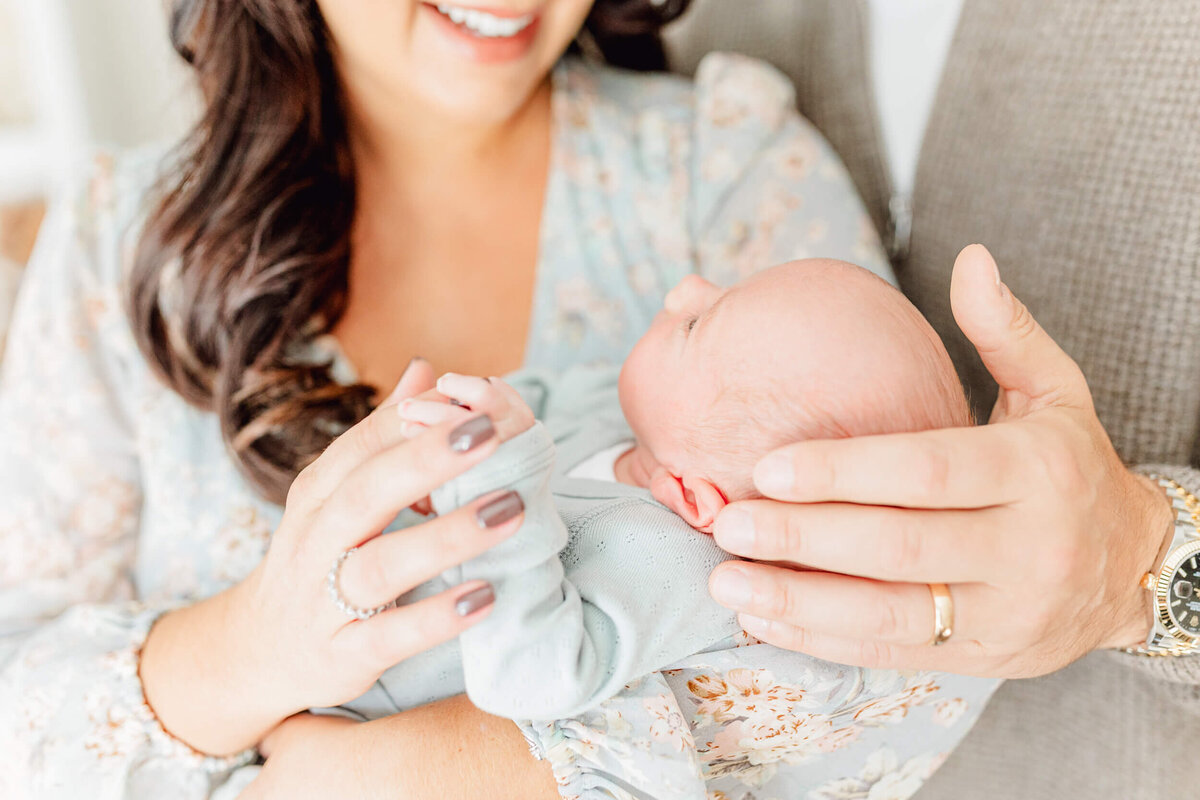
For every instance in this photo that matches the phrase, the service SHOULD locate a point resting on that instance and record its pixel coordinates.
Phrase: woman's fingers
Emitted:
(894, 544)
(375, 491)
(381, 429)
(946, 468)
(849, 608)
(390, 565)
(403, 632)
(418, 379)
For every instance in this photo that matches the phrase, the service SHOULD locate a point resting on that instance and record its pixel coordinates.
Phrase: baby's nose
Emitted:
(687, 293)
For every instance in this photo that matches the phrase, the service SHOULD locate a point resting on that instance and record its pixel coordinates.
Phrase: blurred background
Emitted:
(75, 74)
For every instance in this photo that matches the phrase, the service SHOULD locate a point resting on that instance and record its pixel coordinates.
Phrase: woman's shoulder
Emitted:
(731, 97)
(654, 129)
(100, 205)
(726, 90)
(97, 209)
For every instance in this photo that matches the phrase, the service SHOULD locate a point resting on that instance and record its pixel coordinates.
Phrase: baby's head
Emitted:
(813, 349)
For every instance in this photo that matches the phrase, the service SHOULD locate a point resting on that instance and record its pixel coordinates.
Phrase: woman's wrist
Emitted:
(204, 675)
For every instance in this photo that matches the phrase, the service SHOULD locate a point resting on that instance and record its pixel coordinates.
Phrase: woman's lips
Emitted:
(483, 34)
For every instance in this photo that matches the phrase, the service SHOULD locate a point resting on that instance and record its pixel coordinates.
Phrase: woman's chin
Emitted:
(474, 91)
(478, 103)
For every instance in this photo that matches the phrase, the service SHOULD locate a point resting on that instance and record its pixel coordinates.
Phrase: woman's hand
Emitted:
(448, 750)
(1039, 529)
(311, 756)
(459, 397)
(276, 644)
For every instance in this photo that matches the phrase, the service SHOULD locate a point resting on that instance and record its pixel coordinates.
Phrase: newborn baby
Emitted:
(606, 581)
(814, 349)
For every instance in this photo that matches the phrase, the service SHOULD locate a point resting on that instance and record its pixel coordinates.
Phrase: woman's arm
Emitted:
(277, 643)
(1040, 530)
(73, 721)
(448, 750)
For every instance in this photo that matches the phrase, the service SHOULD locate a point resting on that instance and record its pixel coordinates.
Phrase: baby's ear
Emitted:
(693, 498)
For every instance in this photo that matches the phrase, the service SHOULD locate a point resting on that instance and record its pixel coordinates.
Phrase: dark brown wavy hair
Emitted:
(245, 259)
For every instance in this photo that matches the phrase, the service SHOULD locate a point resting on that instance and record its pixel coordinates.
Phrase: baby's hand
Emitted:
(459, 397)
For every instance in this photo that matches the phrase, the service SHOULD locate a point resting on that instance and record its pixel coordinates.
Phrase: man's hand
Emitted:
(1034, 522)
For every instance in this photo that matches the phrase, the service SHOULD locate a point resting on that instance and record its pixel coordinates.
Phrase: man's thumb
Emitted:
(1018, 353)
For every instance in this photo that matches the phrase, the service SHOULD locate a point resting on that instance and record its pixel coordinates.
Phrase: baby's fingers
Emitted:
(491, 396)
(423, 413)
(480, 394)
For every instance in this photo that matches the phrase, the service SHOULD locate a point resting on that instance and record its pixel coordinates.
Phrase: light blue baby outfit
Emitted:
(601, 585)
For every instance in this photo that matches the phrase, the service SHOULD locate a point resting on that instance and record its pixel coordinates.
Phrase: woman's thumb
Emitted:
(418, 377)
(1018, 353)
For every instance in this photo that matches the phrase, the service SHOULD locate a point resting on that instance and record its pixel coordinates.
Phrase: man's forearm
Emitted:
(450, 750)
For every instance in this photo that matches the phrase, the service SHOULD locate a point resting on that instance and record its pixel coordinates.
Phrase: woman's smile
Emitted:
(486, 36)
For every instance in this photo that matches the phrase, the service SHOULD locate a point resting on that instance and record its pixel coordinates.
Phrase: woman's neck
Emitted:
(410, 145)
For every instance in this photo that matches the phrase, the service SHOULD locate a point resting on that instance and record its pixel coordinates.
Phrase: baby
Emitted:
(607, 578)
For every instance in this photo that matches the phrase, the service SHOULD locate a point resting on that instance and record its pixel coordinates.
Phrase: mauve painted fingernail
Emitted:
(474, 600)
(499, 511)
(471, 434)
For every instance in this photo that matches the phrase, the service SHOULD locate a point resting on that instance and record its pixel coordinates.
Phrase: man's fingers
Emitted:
(888, 544)
(841, 650)
(1016, 350)
(392, 564)
(947, 468)
(403, 632)
(962, 657)
(849, 608)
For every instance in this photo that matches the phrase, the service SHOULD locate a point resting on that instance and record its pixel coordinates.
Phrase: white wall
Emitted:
(135, 88)
(80, 73)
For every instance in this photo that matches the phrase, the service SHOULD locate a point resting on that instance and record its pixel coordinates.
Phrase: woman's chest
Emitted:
(579, 283)
(463, 305)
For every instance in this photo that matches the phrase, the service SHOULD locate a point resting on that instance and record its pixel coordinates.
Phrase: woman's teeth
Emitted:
(483, 24)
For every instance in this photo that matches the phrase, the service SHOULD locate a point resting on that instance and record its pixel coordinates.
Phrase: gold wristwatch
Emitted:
(1175, 584)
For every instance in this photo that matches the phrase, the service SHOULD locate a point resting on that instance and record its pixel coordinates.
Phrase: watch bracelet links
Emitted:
(1186, 507)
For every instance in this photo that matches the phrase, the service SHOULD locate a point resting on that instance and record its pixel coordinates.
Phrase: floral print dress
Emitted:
(119, 502)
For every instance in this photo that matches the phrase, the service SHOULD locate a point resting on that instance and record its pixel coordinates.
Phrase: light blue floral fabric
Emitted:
(118, 500)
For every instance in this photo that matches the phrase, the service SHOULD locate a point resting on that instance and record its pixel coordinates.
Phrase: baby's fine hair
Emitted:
(757, 414)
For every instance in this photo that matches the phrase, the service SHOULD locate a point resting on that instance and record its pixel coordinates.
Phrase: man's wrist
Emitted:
(1153, 534)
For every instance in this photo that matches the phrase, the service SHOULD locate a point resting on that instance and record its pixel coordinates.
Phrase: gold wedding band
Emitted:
(943, 613)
